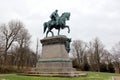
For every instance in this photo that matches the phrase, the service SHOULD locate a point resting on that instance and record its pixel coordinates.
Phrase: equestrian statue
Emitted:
(57, 22)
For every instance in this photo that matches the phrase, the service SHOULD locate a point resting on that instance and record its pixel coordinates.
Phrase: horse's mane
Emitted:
(65, 13)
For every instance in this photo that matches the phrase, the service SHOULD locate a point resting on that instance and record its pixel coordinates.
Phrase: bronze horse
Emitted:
(61, 24)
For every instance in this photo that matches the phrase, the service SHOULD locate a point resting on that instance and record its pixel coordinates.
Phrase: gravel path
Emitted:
(116, 78)
(6, 74)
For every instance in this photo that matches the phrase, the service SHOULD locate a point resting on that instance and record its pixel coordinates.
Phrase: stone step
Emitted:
(54, 69)
(55, 74)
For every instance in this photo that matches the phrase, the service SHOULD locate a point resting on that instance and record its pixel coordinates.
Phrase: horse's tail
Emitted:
(45, 27)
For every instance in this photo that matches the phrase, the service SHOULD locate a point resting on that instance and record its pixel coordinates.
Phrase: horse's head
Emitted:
(66, 15)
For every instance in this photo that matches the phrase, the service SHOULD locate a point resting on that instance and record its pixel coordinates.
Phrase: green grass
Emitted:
(90, 76)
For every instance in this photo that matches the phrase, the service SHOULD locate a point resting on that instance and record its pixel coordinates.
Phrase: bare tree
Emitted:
(15, 43)
(1, 45)
(90, 55)
(9, 32)
(95, 49)
(1, 50)
(107, 59)
(23, 39)
(116, 57)
(78, 50)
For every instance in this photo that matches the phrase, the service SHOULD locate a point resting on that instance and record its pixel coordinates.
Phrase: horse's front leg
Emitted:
(68, 29)
(47, 33)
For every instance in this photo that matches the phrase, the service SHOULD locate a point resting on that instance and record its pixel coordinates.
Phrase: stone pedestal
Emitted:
(54, 48)
(55, 59)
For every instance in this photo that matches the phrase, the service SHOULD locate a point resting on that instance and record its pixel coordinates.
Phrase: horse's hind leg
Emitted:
(47, 33)
(52, 33)
(58, 31)
(68, 29)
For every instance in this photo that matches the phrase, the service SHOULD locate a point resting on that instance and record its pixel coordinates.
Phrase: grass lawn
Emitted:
(91, 76)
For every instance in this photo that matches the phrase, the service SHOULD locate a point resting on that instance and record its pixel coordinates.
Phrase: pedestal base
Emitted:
(54, 65)
(54, 60)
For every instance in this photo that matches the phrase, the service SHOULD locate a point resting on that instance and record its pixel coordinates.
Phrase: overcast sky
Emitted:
(89, 18)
